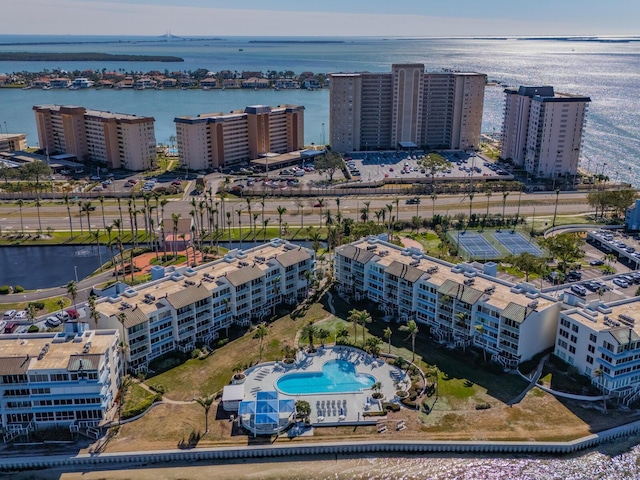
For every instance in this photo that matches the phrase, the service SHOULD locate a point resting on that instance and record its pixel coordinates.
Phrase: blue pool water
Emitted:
(337, 376)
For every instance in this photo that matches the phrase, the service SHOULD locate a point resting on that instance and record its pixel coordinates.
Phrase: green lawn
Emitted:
(50, 305)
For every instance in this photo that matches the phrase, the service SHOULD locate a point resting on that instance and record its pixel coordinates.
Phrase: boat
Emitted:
(47, 87)
(241, 49)
(28, 87)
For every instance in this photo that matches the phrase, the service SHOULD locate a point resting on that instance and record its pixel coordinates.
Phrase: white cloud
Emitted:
(108, 18)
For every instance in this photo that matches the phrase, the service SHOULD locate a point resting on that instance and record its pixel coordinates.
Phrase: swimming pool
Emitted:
(337, 376)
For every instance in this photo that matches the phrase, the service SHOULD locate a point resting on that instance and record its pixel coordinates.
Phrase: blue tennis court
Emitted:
(516, 243)
(476, 245)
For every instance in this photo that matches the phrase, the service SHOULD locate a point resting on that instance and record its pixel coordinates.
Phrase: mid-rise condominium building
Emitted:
(114, 139)
(542, 130)
(216, 140)
(192, 305)
(405, 108)
(461, 304)
(11, 142)
(69, 378)
(602, 341)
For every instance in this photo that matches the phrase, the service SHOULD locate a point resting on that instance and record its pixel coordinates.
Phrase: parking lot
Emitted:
(375, 166)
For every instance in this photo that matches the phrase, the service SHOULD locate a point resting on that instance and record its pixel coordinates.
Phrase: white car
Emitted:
(21, 315)
(620, 282)
(52, 322)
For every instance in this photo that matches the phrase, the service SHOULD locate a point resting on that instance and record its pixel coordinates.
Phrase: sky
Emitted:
(408, 18)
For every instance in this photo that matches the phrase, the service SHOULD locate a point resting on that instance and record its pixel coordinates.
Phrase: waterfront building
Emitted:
(180, 308)
(405, 108)
(602, 341)
(461, 305)
(11, 142)
(116, 140)
(632, 217)
(68, 378)
(217, 139)
(542, 130)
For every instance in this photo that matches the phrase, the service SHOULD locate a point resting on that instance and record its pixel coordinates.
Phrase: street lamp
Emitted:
(75, 269)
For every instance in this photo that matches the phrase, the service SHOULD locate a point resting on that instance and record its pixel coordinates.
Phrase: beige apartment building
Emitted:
(542, 130)
(116, 140)
(12, 142)
(217, 139)
(406, 107)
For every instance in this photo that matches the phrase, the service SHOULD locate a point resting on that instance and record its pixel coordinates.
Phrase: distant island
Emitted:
(82, 57)
(296, 41)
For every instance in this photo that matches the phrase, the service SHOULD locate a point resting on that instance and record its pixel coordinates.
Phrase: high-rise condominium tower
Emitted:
(406, 107)
(542, 130)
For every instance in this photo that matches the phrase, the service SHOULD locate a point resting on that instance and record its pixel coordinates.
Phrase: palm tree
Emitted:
(412, 328)
(72, 289)
(281, 211)
(599, 374)
(261, 332)
(471, 195)
(124, 346)
(309, 331)
(96, 235)
(264, 232)
(93, 312)
(323, 334)
(66, 202)
(205, 402)
(359, 317)
(387, 334)
(239, 212)
(39, 220)
(417, 205)
(104, 222)
(20, 202)
(338, 204)
(86, 208)
(504, 203)
(488, 194)
(434, 197)
(175, 217)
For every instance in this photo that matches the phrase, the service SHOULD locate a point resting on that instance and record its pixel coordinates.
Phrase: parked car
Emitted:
(620, 282)
(412, 201)
(579, 290)
(596, 263)
(52, 322)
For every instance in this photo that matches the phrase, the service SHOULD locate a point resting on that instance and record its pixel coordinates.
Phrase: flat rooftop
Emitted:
(614, 314)
(30, 345)
(439, 272)
(251, 263)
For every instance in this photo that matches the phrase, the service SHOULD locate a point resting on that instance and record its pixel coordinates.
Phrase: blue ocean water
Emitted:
(608, 72)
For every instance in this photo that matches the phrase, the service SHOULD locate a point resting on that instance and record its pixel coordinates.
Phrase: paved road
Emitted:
(56, 215)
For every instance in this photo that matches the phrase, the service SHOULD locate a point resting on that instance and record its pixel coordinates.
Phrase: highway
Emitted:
(55, 214)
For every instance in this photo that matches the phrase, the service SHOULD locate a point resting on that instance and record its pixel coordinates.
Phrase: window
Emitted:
(592, 338)
(590, 359)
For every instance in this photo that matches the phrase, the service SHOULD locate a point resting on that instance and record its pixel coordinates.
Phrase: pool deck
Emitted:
(330, 408)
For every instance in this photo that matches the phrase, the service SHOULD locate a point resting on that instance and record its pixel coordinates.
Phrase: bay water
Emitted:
(608, 72)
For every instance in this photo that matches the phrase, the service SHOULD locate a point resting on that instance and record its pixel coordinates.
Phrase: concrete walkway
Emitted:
(533, 382)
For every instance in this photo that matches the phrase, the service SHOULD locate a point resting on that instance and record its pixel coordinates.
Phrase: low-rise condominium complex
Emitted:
(11, 142)
(602, 341)
(217, 140)
(116, 140)
(405, 108)
(68, 378)
(542, 130)
(462, 304)
(192, 305)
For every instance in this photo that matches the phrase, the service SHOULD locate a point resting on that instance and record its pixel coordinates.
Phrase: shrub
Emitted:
(390, 407)
(409, 402)
(222, 342)
(33, 329)
(195, 353)
(483, 406)
(18, 289)
(5, 290)
(37, 305)
(158, 388)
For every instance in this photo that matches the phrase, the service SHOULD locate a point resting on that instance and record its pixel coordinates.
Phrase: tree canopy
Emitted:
(329, 163)
(566, 248)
